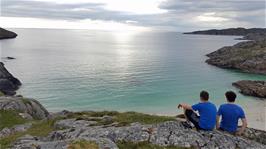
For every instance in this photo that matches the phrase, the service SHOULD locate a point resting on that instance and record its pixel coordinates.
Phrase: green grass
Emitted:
(125, 118)
(83, 144)
(2, 94)
(10, 118)
(143, 145)
(39, 128)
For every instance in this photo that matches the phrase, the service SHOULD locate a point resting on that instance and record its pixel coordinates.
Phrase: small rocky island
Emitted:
(247, 56)
(5, 34)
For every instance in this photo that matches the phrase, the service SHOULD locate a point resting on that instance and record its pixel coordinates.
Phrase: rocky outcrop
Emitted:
(252, 88)
(245, 56)
(23, 105)
(5, 34)
(18, 128)
(171, 133)
(8, 83)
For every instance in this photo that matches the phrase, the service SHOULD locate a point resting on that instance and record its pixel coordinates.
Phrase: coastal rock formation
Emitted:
(5, 34)
(252, 88)
(23, 105)
(247, 56)
(171, 133)
(230, 31)
(8, 83)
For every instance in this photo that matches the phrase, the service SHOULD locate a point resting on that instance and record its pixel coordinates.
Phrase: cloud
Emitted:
(178, 15)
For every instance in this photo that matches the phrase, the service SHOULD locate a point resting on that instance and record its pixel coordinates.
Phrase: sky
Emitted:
(121, 15)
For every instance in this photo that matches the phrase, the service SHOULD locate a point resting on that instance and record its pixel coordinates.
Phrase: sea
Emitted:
(149, 71)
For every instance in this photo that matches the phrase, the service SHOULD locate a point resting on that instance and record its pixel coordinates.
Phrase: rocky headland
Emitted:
(5, 34)
(248, 56)
(8, 83)
(35, 128)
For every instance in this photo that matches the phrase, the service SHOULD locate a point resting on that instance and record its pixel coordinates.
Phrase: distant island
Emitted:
(5, 34)
(247, 56)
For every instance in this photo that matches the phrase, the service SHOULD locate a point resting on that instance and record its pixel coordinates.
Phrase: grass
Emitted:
(43, 128)
(123, 119)
(2, 94)
(83, 144)
(39, 128)
(10, 118)
(143, 145)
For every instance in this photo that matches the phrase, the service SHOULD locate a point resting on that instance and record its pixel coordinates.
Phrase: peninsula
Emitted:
(248, 56)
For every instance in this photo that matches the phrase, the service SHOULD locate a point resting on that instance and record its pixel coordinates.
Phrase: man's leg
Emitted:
(192, 117)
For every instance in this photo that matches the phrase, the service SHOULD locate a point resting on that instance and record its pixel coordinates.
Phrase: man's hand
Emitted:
(179, 106)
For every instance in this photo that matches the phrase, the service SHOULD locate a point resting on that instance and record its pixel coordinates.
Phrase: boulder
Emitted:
(252, 88)
(23, 105)
(8, 83)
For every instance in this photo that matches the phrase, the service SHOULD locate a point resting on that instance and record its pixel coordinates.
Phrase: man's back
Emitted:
(230, 113)
(207, 111)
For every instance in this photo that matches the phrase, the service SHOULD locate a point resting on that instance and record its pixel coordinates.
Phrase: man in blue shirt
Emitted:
(207, 113)
(231, 113)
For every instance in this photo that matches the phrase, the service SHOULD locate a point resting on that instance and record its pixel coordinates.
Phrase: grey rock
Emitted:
(171, 133)
(5, 34)
(17, 128)
(252, 88)
(73, 123)
(8, 83)
(29, 106)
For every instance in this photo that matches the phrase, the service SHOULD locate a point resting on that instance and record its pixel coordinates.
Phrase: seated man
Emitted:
(231, 113)
(207, 113)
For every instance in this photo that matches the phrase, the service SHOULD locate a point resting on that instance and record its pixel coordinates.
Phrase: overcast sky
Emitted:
(176, 15)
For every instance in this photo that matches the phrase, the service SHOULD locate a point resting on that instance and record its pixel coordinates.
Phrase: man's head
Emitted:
(204, 96)
(230, 96)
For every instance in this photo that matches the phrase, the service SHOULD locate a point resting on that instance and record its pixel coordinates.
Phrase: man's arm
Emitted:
(185, 106)
(217, 122)
(243, 127)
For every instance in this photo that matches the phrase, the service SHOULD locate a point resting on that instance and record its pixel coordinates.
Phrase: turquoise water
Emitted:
(95, 70)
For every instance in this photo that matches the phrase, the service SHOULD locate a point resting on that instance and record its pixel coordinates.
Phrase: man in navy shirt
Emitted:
(231, 113)
(207, 113)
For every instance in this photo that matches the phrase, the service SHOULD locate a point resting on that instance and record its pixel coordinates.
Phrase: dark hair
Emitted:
(204, 95)
(230, 96)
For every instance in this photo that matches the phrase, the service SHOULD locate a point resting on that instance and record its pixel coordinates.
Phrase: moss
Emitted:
(143, 145)
(1, 94)
(5, 142)
(39, 128)
(122, 118)
(131, 117)
(10, 118)
(83, 144)
(26, 101)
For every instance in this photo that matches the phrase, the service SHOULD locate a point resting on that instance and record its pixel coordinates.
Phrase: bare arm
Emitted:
(217, 121)
(243, 127)
(185, 106)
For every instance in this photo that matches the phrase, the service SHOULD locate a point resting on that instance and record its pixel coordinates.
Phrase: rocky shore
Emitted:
(248, 56)
(110, 130)
(252, 88)
(8, 83)
(5, 34)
